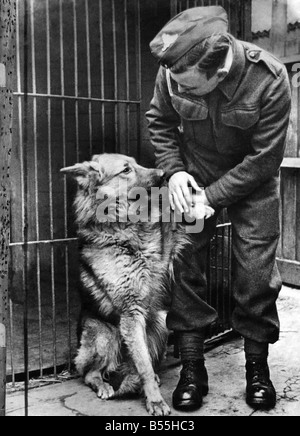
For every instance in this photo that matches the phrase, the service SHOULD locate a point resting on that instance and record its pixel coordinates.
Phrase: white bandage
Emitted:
(199, 210)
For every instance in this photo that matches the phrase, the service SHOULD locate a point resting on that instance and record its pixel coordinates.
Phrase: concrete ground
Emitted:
(227, 381)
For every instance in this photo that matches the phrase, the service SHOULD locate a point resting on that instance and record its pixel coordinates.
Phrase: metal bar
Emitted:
(246, 6)
(7, 58)
(281, 216)
(297, 151)
(211, 277)
(223, 275)
(229, 14)
(102, 73)
(138, 51)
(58, 241)
(139, 76)
(50, 241)
(76, 79)
(21, 158)
(72, 97)
(50, 185)
(26, 202)
(62, 73)
(12, 345)
(89, 77)
(39, 310)
(173, 7)
(116, 84)
(217, 272)
(219, 226)
(209, 297)
(230, 268)
(36, 187)
(127, 75)
(68, 308)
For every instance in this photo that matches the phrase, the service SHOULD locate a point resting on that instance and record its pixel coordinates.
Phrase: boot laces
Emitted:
(190, 370)
(260, 373)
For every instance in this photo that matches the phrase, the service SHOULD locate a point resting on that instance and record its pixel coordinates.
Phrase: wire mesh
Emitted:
(71, 102)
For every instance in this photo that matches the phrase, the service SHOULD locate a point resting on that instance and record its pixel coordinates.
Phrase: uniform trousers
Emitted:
(255, 276)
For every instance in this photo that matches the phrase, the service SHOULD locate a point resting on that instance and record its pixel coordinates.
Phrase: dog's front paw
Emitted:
(158, 408)
(106, 392)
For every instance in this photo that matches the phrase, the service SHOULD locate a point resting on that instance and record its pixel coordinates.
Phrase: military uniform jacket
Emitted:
(232, 140)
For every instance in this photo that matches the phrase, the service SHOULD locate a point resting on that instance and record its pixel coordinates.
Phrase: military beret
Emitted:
(186, 30)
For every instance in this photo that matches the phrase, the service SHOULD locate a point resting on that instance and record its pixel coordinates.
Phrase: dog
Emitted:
(126, 276)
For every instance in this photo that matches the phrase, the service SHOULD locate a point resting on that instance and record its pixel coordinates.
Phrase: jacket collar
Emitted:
(232, 81)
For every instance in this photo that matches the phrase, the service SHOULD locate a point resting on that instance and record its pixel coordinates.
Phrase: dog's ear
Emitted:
(78, 170)
(82, 171)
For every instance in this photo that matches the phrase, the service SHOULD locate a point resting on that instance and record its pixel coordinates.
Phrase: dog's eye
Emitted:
(127, 170)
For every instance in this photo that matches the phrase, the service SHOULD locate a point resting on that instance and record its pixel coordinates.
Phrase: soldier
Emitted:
(219, 120)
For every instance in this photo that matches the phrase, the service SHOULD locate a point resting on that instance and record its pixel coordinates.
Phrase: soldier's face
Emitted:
(195, 82)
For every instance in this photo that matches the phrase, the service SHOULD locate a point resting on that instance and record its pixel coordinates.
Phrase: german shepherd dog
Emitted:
(126, 271)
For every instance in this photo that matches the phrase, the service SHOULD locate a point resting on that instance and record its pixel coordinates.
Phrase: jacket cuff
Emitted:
(217, 196)
(171, 170)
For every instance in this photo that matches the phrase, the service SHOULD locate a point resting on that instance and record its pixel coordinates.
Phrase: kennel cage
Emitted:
(84, 78)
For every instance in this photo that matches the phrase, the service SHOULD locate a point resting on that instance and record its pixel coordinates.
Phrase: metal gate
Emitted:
(78, 91)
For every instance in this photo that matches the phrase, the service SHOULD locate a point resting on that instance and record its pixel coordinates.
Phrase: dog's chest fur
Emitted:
(130, 266)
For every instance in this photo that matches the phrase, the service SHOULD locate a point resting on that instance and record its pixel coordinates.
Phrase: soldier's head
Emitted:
(196, 47)
(206, 65)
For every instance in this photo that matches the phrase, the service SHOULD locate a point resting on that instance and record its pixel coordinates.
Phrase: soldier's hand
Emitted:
(180, 194)
(201, 209)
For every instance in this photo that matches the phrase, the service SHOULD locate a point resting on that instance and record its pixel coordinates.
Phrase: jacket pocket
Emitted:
(241, 117)
(189, 110)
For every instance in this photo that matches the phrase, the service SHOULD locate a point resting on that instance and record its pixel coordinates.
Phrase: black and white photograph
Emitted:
(149, 210)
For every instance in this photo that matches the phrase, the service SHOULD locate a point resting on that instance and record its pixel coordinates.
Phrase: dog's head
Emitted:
(110, 176)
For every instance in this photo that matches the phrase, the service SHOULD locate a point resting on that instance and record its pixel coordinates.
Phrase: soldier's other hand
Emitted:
(180, 192)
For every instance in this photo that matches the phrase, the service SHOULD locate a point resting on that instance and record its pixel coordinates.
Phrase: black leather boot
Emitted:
(193, 385)
(261, 393)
